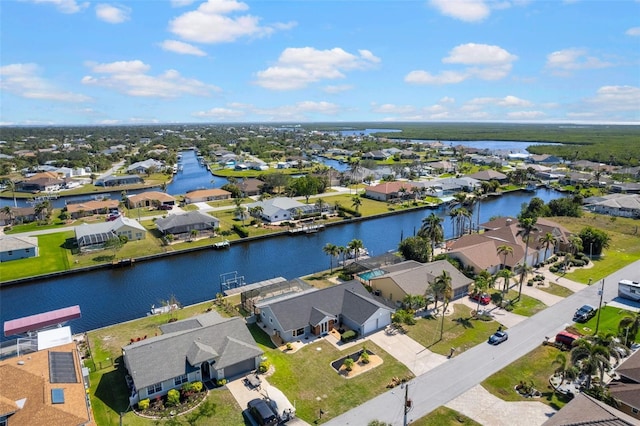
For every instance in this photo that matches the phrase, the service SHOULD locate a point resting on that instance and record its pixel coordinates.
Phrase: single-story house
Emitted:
(376, 155)
(202, 348)
(88, 208)
(626, 390)
(480, 251)
(586, 410)
(17, 247)
(204, 195)
(44, 388)
(112, 180)
(146, 166)
(544, 159)
(347, 305)
(282, 208)
(94, 236)
(442, 166)
(184, 223)
(150, 199)
(489, 174)
(626, 187)
(41, 182)
(17, 215)
(394, 282)
(386, 191)
(250, 186)
(622, 205)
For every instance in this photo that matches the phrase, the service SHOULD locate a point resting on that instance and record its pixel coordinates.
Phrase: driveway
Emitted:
(412, 354)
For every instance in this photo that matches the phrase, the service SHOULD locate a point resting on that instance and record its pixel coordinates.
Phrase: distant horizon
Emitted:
(89, 63)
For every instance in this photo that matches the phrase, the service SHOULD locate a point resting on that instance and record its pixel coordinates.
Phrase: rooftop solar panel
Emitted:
(62, 368)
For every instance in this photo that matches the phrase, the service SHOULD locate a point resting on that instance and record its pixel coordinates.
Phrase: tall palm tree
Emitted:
(332, 251)
(631, 325)
(320, 204)
(526, 228)
(12, 187)
(356, 202)
(480, 284)
(444, 283)
(355, 246)
(7, 210)
(547, 240)
(432, 230)
(506, 274)
(504, 250)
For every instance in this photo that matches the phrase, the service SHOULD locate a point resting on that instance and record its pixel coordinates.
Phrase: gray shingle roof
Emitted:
(186, 343)
(181, 220)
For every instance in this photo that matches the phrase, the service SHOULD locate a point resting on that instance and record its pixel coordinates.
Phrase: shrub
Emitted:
(196, 386)
(143, 404)
(173, 398)
(289, 346)
(221, 382)
(365, 357)
(348, 364)
(348, 335)
(240, 230)
(264, 366)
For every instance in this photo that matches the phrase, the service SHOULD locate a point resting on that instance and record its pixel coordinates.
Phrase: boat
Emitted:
(362, 252)
(221, 245)
(628, 289)
(163, 309)
(306, 229)
(531, 187)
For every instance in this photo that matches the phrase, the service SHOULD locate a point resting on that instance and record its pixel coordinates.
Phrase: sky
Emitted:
(76, 62)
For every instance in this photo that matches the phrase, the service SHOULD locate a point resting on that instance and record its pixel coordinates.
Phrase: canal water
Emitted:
(109, 296)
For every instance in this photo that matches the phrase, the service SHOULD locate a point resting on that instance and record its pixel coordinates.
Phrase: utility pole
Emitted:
(407, 403)
(601, 292)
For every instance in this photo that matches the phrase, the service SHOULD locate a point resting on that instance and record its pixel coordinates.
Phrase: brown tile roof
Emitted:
(207, 193)
(630, 368)
(390, 187)
(151, 196)
(29, 387)
(627, 393)
(89, 206)
(584, 410)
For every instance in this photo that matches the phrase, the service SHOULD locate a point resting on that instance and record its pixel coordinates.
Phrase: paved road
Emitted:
(444, 383)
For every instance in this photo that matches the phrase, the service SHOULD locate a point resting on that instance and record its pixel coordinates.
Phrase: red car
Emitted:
(484, 298)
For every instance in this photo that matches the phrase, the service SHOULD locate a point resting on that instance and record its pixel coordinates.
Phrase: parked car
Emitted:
(498, 337)
(483, 297)
(565, 338)
(165, 207)
(262, 412)
(112, 217)
(584, 314)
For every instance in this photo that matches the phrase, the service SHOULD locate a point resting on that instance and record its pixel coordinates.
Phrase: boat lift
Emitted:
(230, 280)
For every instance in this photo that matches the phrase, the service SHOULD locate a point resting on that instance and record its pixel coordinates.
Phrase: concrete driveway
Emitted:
(412, 354)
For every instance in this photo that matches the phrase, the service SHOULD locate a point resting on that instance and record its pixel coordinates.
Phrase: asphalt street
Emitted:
(459, 374)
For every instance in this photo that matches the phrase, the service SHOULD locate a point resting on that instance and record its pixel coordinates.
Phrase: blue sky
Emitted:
(221, 61)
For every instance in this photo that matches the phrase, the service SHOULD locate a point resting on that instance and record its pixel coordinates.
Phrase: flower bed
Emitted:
(175, 403)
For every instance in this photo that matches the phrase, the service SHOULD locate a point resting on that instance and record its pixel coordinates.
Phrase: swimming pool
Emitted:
(366, 276)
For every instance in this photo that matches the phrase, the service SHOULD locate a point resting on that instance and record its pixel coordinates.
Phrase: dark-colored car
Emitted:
(584, 314)
(498, 337)
(483, 297)
(165, 207)
(262, 412)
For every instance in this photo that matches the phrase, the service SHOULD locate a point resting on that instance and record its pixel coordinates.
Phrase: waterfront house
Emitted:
(626, 187)
(44, 388)
(386, 191)
(202, 348)
(250, 186)
(489, 174)
(150, 199)
(621, 205)
(41, 182)
(204, 195)
(119, 180)
(181, 225)
(394, 282)
(17, 215)
(93, 207)
(348, 305)
(147, 166)
(282, 209)
(17, 247)
(94, 236)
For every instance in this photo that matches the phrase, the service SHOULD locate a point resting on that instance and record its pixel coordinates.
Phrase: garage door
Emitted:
(239, 369)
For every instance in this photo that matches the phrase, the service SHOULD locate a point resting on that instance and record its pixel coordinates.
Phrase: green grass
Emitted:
(52, 257)
(306, 375)
(534, 367)
(461, 331)
(443, 416)
(609, 319)
(527, 306)
(556, 290)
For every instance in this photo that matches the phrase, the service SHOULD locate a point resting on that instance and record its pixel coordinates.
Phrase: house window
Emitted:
(298, 332)
(27, 250)
(180, 380)
(10, 252)
(634, 410)
(155, 388)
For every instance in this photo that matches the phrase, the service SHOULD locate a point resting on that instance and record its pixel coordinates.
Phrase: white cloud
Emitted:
(210, 23)
(447, 100)
(181, 48)
(507, 101)
(300, 111)
(525, 115)
(65, 6)
(483, 61)
(108, 122)
(634, 32)
(562, 62)
(339, 88)
(393, 109)
(113, 14)
(219, 113)
(23, 80)
(129, 77)
(464, 10)
(445, 77)
(298, 67)
(617, 98)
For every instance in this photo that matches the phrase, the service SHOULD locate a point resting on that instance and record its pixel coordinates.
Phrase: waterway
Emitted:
(110, 296)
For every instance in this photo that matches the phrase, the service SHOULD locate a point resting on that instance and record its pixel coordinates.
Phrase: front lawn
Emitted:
(461, 331)
(536, 367)
(527, 306)
(556, 290)
(307, 378)
(443, 416)
(610, 317)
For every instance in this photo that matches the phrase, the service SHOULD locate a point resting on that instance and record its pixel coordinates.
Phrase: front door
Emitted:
(205, 371)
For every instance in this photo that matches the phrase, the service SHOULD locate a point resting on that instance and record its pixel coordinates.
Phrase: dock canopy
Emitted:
(41, 321)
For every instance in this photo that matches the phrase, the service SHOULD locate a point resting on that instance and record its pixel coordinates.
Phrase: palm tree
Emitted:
(546, 240)
(320, 204)
(527, 226)
(239, 210)
(342, 250)
(506, 274)
(256, 211)
(480, 284)
(12, 187)
(7, 210)
(332, 251)
(444, 283)
(356, 202)
(631, 325)
(591, 358)
(355, 246)
(414, 301)
(432, 230)
(504, 250)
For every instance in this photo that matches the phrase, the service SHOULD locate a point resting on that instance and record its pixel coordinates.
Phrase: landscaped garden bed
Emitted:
(356, 363)
(175, 403)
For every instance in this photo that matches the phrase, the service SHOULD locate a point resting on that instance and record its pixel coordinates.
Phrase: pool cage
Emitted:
(252, 297)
